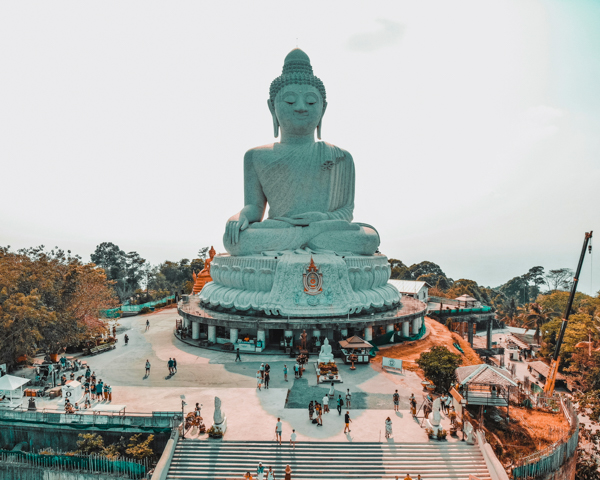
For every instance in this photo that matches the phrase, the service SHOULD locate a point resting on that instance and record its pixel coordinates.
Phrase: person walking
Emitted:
(331, 392)
(296, 370)
(260, 471)
(262, 370)
(278, 429)
(288, 473)
(126, 338)
(237, 355)
(340, 404)
(88, 373)
(413, 405)
(388, 427)
(311, 410)
(147, 367)
(347, 421)
(293, 439)
(258, 379)
(267, 378)
(326, 404)
(348, 398)
(147, 324)
(174, 365)
(285, 373)
(109, 393)
(319, 415)
(396, 398)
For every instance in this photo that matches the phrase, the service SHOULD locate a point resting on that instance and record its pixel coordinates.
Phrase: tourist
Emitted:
(126, 339)
(267, 378)
(300, 369)
(396, 398)
(426, 409)
(348, 398)
(288, 473)
(407, 477)
(76, 407)
(260, 471)
(147, 367)
(325, 404)
(293, 439)
(109, 393)
(93, 390)
(63, 379)
(72, 376)
(262, 370)
(388, 427)
(347, 421)
(99, 390)
(340, 404)
(106, 392)
(285, 373)
(86, 401)
(258, 379)
(452, 415)
(448, 403)
(147, 324)
(237, 355)
(170, 365)
(319, 415)
(114, 330)
(267, 368)
(197, 410)
(296, 370)
(443, 400)
(93, 377)
(311, 410)
(88, 372)
(174, 365)
(270, 474)
(278, 429)
(331, 392)
(248, 476)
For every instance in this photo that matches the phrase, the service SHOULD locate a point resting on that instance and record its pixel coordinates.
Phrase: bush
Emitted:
(145, 310)
(90, 443)
(160, 305)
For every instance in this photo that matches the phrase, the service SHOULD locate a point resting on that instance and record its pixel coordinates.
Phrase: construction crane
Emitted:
(549, 387)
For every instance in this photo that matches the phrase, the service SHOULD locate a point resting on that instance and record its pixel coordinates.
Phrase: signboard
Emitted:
(392, 363)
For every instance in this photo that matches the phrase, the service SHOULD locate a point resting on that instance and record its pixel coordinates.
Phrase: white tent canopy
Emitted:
(12, 387)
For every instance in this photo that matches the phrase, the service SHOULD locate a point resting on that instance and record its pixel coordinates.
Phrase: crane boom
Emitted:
(550, 381)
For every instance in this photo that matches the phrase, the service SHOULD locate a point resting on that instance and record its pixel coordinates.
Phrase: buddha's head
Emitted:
(297, 98)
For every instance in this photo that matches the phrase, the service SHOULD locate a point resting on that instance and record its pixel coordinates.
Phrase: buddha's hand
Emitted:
(304, 219)
(235, 225)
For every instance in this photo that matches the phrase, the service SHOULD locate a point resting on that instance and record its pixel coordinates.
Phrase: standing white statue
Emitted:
(219, 419)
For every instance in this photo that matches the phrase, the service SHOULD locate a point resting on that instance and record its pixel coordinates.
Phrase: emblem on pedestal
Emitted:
(313, 279)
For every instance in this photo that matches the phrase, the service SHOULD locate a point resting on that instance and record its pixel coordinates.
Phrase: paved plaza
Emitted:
(251, 414)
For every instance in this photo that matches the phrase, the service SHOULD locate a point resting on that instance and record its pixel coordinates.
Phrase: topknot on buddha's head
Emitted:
(296, 70)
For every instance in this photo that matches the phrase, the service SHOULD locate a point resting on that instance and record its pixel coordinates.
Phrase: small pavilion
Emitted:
(357, 346)
(485, 385)
(11, 391)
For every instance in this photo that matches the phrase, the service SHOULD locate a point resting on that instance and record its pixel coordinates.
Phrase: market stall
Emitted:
(355, 346)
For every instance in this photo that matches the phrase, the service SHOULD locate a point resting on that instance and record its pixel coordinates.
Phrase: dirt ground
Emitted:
(437, 334)
(530, 430)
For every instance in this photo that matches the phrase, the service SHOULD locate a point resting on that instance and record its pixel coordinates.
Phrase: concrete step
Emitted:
(221, 460)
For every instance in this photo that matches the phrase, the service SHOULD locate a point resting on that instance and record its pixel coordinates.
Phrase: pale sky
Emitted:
(474, 126)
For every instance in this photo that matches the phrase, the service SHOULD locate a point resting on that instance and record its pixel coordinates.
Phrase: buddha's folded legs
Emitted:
(334, 235)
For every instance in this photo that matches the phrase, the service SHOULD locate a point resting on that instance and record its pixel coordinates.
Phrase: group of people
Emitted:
(270, 474)
(99, 390)
(172, 363)
(263, 375)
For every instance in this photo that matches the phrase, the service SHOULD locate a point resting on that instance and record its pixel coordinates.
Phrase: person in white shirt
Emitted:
(326, 404)
(293, 439)
(278, 428)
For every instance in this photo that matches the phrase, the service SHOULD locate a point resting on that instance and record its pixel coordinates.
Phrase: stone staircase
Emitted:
(221, 460)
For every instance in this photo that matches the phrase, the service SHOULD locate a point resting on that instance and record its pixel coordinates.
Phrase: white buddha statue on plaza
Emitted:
(308, 184)
(326, 355)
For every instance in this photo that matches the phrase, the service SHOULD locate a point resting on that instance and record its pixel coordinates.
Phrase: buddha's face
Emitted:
(299, 109)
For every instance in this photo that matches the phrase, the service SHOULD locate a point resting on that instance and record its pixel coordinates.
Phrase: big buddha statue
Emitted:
(308, 185)
(307, 258)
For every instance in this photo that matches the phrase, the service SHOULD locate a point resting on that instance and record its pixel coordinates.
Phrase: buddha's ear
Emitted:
(275, 121)
(320, 125)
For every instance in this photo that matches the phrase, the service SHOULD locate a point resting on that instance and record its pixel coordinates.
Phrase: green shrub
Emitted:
(145, 310)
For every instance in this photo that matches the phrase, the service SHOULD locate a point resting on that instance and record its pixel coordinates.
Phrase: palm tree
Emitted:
(537, 317)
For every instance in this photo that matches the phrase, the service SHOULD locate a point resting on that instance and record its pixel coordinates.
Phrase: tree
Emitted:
(425, 268)
(138, 448)
(126, 269)
(439, 365)
(48, 300)
(559, 279)
(537, 317)
(517, 288)
(436, 280)
(399, 270)
(90, 443)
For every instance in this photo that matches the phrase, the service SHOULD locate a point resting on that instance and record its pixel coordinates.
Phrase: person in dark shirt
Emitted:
(347, 421)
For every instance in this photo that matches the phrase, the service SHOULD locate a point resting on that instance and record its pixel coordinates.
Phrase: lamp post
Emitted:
(183, 404)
